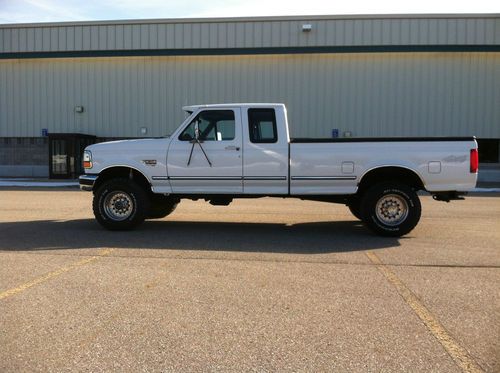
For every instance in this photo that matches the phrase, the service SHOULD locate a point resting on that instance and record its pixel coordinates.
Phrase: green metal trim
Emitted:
(253, 51)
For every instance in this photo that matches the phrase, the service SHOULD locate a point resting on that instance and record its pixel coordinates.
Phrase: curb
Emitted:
(39, 184)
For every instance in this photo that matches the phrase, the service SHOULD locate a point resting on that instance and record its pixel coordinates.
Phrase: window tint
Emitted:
(214, 125)
(226, 129)
(262, 125)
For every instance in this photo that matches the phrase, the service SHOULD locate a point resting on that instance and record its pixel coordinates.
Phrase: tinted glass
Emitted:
(214, 125)
(262, 125)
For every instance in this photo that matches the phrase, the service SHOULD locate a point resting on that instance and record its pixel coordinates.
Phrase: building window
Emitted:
(488, 150)
(262, 125)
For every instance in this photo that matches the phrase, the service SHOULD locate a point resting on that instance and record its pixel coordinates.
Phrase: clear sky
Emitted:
(23, 11)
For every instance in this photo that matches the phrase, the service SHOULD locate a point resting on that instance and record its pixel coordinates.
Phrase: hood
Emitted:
(129, 145)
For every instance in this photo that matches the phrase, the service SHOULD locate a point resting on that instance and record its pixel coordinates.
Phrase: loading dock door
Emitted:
(65, 154)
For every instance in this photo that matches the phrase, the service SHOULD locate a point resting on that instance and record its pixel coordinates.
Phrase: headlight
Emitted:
(87, 159)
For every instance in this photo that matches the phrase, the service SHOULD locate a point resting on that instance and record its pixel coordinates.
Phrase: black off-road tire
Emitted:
(391, 209)
(161, 206)
(115, 194)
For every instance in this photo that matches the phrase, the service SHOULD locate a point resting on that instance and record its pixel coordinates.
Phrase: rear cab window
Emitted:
(262, 126)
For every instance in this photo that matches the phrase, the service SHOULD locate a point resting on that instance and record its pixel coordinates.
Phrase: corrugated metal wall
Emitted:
(370, 94)
(252, 33)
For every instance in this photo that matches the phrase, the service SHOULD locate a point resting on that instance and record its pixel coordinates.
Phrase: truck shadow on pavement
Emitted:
(302, 238)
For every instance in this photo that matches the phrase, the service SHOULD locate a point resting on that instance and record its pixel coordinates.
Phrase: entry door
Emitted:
(59, 160)
(65, 154)
(213, 164)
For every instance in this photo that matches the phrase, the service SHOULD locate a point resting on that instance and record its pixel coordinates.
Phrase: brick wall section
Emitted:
(24, 151)
(27, 156)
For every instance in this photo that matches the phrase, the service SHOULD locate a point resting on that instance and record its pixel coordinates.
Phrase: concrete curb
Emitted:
(37, 183)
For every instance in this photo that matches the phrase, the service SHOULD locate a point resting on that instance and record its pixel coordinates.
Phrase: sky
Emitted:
(29, 11)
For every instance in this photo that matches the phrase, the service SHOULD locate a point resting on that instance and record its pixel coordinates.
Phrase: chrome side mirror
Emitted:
(197, 130)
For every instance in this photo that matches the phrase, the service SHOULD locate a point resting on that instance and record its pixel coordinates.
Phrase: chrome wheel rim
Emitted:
(118, 205)
(392, 209)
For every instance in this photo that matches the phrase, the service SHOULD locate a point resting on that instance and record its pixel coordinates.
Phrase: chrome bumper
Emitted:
(87, 182)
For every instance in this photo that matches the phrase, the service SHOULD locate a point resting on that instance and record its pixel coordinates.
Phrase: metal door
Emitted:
(65, 152)
(213, 165)
(59, 166)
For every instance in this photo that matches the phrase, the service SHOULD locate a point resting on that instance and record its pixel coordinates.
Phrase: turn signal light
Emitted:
(474, 161)
(87, 159)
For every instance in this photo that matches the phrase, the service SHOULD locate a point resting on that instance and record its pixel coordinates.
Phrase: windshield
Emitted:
(187, 114)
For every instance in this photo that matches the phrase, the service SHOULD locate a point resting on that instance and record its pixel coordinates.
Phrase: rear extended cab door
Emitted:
(265, 153)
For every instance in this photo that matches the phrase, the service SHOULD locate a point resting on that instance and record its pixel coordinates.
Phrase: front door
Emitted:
(213, 162)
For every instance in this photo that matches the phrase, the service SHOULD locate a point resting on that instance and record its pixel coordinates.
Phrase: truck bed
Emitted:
(306, 140)
(336, 166)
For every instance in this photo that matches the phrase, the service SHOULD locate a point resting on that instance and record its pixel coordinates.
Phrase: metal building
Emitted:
(418, 75)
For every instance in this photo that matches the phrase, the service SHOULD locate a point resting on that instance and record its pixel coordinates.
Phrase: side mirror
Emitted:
(196, 130)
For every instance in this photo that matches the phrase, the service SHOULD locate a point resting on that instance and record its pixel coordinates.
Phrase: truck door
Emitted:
(265, 134)
(212, 161)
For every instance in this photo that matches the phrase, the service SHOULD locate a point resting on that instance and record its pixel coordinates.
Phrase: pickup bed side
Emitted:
(441, 164)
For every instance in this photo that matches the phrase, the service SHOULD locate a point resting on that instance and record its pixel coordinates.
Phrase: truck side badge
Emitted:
(149, 162)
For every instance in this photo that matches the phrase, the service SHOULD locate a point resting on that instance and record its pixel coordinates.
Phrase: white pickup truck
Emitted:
(227, 151)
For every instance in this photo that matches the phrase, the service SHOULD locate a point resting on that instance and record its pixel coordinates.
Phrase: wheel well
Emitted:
(125, 172)
(399, 174)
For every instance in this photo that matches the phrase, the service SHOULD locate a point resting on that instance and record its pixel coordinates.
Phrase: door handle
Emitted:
(232, 147)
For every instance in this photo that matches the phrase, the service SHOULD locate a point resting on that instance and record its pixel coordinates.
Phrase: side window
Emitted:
(214, 125)
(262, 125)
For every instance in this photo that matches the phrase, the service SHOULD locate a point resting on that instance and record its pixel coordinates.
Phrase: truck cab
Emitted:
(241, 149)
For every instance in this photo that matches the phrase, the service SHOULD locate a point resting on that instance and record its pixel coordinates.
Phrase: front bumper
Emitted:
(87, 182)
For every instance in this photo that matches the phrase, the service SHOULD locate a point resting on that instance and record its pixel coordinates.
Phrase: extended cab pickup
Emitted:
(227, 151)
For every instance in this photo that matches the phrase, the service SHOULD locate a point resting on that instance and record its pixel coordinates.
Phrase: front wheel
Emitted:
(120, 204)
(391, 209)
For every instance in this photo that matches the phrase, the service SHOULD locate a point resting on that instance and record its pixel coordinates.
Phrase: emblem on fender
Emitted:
(149, 162)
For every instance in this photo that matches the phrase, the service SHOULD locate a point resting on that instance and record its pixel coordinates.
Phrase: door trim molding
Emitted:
(272, 178)
(323, 177)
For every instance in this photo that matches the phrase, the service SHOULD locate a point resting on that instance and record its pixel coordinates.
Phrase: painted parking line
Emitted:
(50, 275)
(459, 354)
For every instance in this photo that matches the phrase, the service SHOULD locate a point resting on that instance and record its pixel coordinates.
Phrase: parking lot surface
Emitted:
(261, 285)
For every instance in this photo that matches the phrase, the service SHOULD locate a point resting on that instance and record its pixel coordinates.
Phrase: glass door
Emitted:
(59, 165)
(65, 154)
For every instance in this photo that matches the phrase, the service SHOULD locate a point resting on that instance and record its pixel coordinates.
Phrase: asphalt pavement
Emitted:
(261, 285)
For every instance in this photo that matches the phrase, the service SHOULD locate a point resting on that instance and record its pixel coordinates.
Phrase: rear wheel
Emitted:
(120, 204)
(390, 209)
(161, 206)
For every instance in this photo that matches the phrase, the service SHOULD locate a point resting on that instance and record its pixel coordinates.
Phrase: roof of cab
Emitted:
(192, 108)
